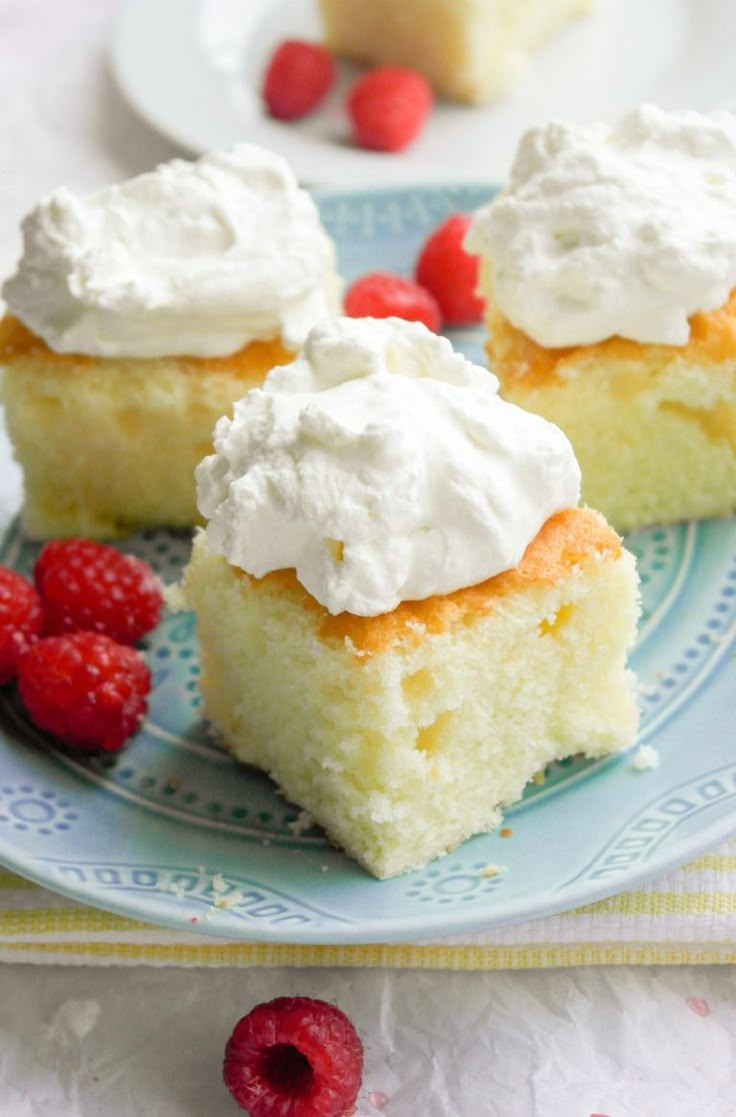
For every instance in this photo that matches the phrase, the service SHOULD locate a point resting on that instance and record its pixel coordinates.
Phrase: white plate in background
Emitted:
(192, 69)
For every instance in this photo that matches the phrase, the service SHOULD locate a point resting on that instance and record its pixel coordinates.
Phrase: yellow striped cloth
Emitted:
(688, 916)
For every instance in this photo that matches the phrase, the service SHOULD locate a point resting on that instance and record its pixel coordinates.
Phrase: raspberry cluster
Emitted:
(443, 291)
(387, 106)
(69, 638)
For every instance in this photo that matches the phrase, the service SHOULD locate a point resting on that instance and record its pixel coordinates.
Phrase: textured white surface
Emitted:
(570, 1043)
(124, 1042)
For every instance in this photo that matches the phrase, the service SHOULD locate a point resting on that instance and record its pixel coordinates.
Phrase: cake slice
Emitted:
(653, 426)
(470, 50)
(404, 720)
(137, 316)
(609, 275)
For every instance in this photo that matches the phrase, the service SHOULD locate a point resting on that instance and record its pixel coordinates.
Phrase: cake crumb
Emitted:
(219, 883)
(491, 871)
(646, 689)
(378, 1099)
(506, 832)
(176, 888)
(302, 822)
(645, 757)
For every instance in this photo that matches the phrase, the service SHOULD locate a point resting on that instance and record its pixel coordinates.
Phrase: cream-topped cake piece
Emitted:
(402, 613)
(609, 272)
(137, 315)
(470, 50)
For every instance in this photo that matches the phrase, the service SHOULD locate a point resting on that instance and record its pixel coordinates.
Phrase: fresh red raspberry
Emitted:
(450, 273)
(85, 689)
(21, 620)
(388, 107)
(381, 294)
(299, 76)
(91, 586)
(294, 1057)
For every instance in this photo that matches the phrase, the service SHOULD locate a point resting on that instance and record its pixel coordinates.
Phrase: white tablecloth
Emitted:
(619, 1041)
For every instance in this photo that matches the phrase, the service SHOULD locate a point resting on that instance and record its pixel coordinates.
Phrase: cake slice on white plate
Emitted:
(470, 50)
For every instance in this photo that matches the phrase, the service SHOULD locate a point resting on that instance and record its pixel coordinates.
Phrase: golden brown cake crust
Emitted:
(17, 342)
(516, 358)
(565, 540)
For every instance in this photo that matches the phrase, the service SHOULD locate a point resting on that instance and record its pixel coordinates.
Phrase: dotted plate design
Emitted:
(173, 831)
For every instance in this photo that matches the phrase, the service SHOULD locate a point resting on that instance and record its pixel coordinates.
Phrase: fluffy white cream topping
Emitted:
(192, 259)
(383, 467)
(626, 229)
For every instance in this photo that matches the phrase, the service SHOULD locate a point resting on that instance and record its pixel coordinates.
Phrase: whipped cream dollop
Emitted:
(195, 258)
(382, 466)
(621, 229)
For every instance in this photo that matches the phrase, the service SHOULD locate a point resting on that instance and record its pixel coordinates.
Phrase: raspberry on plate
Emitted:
(388, 106)
(294, 1057)
(385, 295)
(298, 77)
(87, 690)
(450, 273)
(21, 620)
(92, 586)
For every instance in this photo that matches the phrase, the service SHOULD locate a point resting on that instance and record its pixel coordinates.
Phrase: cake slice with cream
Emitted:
(609, 273)
(403, 614)
(136, 317)
(470, 50)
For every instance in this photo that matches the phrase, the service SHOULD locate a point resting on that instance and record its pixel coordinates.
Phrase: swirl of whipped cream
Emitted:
(195, 258)
(383, 467)
(622, 230)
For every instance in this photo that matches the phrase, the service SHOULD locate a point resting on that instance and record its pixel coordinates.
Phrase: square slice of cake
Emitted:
(470, 50)
(402, 615)
(137, 316)
(406, 733)
(609, 275)
(653, 426)
(109, 445)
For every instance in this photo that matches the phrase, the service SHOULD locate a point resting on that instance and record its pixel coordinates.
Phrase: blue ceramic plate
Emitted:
(169, 826)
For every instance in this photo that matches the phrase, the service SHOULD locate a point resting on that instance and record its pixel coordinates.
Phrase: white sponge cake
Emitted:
(406, 733)
(609, 274)
(351, 645)
(137, 316)
(470, 50)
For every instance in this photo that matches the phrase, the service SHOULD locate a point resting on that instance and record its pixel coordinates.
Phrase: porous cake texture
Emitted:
(109, 445)
(653, 426)
(405, 733)
(470, 50)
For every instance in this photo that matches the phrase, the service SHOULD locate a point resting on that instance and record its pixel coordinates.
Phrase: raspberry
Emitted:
(85, 689)
(299, 76)
(388, 107)
(451, 273)
(294, 1057)
(382, 294)
(88, 585)
(21, 620)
